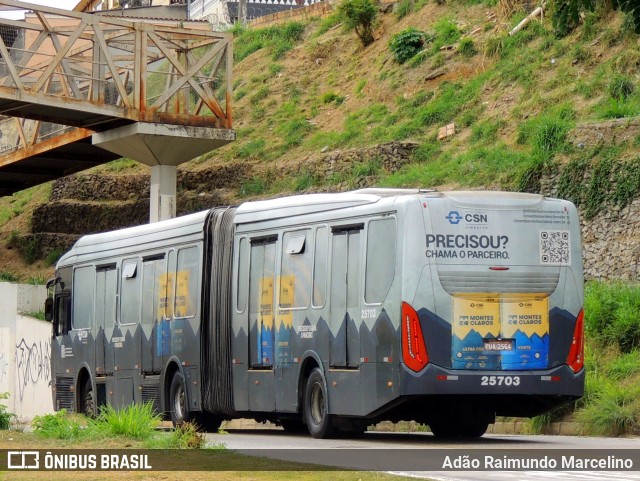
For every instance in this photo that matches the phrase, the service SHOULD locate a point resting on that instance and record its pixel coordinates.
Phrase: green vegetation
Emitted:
(5, 416)
(359, 15)
(611, 404)
(566, 13)
(278, 39)
(7, 276)
(407, 43)
(613, 314)
(136, 422)
(35, 314)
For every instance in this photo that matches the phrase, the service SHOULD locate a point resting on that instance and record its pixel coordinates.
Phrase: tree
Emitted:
(360, 15)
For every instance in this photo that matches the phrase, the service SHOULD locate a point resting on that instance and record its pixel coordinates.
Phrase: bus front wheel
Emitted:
(316, 406)
(88, 407)
(178, 401)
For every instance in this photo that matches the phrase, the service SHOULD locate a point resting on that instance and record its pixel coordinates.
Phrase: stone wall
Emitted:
(612, 243)
(611, 238)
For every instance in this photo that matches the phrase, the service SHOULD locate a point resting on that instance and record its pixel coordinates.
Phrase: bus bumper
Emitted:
(436, 380)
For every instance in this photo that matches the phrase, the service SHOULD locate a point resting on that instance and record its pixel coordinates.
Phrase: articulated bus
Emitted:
(329, 312)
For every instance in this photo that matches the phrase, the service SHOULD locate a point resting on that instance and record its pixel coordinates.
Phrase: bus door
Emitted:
(344, 316)
(261, 323)
(82, 334)
(126, 336)
(153, 273)
(105, 314)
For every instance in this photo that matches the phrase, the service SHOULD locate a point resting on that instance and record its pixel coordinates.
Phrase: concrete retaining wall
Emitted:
(25, 351)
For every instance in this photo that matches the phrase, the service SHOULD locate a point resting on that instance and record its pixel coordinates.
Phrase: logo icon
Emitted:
(23, 459)
(454, 217)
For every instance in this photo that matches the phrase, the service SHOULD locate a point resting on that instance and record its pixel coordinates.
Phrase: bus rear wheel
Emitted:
(316, 406)
(178, 406)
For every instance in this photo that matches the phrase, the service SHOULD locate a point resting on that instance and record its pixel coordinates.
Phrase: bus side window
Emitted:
(153, 273)
(320, 263)
(186, 298)
(130, 292)
(381, 259)
(83, 295)
(295, 275)
(243, 275)
(62, 315)
(106, 285)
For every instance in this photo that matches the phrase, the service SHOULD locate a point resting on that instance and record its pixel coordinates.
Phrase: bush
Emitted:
(406, 44)
(612, 314)
(467, 48)
(136, 421)
(57, 426)
(613, 411)
(360, 15)
(5, 416)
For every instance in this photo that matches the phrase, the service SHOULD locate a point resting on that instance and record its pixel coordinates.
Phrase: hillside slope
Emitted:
(306, 94)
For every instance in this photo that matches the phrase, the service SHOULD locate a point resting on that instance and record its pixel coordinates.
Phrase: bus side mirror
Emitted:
(48, 309)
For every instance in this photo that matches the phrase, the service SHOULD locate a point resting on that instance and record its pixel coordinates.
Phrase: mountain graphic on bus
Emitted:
(469, 353)
(530, 352)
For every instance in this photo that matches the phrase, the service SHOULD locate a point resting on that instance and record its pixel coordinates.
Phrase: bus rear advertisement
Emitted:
(329, 312)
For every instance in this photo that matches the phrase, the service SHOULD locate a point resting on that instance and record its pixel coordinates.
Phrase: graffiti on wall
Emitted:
(4, 364)
(33, 364)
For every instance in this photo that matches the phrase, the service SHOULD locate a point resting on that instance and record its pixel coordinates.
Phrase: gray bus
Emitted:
(329, 312)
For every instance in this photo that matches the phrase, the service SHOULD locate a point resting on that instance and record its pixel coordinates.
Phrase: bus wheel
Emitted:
(88, 407)
(316, 406)
(464, 428)
(178, 401)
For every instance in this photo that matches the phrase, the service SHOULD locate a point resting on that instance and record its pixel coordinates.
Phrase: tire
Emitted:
(206, 422)
(316, 407)
(178, 406)
(88, 405)
(463, 428)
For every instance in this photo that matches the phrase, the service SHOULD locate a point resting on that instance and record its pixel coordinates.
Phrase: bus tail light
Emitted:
(575, 359)
(414, 351)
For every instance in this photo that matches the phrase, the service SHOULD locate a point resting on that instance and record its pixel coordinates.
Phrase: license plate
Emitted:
(498, 344)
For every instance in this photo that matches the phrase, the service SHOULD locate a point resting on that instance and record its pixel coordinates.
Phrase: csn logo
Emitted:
(454, 217)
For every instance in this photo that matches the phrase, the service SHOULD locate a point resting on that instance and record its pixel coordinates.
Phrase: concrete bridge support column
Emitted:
(162, 147)
(163, 192)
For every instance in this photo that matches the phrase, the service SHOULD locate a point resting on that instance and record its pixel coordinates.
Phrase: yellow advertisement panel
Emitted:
(165, 287)
(266, 302)
(183, 309)
(287, 292)
(519, 321)
(530, 316)
(480, 314)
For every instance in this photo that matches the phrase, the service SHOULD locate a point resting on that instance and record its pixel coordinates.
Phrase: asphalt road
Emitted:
(384, 451)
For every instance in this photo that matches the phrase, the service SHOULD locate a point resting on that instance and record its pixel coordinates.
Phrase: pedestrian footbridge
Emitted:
(81, 89)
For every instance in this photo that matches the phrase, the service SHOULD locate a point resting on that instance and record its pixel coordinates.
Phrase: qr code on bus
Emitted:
(555, 248)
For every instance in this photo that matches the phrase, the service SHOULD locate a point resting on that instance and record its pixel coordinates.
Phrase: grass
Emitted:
(279, 39)
(6, 418)
(137, 423)
(8, 276)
